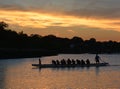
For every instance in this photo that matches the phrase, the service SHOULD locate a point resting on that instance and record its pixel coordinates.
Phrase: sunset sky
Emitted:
(98, 19)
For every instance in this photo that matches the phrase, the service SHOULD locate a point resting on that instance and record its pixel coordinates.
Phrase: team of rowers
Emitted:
(72, 61)
(69, 62)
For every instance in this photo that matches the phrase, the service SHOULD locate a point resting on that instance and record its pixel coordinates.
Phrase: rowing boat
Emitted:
(70, 65)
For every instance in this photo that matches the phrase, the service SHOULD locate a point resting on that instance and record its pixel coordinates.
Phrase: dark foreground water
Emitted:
(19, 74)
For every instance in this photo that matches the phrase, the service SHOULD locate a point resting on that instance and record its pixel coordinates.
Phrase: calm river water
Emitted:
(19, 74)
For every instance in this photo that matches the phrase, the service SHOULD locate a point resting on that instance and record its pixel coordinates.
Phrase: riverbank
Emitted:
(11, 53)
(24, 53)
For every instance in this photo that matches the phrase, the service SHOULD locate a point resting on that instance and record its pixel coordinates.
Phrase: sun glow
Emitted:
(43, 20)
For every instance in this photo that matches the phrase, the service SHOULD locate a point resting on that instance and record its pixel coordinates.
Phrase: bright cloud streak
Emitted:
(43, 20)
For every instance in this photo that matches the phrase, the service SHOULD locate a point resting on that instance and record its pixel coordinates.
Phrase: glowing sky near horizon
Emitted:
(69, 15)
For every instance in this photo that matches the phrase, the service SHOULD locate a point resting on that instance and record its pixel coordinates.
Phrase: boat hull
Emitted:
(69, 66)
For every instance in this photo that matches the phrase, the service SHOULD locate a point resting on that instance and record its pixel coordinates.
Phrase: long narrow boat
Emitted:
(70, 66)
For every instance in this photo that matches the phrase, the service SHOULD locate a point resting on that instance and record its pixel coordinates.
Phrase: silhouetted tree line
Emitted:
(20, 41)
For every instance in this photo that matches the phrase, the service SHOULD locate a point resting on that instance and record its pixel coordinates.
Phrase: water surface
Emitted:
(19, 74)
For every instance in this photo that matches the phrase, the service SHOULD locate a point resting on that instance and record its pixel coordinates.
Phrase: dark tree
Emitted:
(3, 25)
(49, 44)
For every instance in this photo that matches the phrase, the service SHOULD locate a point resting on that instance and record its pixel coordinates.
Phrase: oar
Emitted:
(102, 60)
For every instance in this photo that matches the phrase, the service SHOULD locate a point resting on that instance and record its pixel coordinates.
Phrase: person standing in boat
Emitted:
(39, 61)
(97, 58)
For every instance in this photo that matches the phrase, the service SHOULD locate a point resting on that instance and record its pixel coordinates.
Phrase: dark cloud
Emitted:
(106, 13)
(108, 9)
(12, 7)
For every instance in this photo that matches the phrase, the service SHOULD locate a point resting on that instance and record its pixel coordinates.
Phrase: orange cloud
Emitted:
(43, 20)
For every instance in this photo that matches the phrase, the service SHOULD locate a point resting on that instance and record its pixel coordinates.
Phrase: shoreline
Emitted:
(30, 53)
(24, 53)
